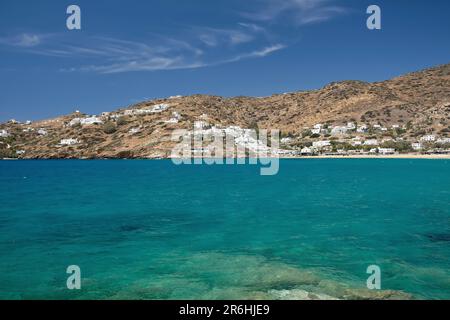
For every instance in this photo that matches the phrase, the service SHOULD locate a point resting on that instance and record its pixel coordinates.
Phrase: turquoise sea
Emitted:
(144, 229)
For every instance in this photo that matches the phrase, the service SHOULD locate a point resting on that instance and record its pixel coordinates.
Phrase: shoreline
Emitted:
(393, 156)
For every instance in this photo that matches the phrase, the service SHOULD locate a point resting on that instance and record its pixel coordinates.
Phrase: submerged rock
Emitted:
(299, 294)
(365, 294)
(439, 237)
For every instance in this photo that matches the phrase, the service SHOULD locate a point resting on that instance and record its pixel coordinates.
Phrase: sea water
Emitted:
(148, 229)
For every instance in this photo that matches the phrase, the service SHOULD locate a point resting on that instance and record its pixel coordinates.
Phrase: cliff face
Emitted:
(419, 102)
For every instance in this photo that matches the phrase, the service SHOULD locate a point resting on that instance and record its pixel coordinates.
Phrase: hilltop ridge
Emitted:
(405, 108)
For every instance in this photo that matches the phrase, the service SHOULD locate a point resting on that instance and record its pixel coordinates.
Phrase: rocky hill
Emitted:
(418, 103)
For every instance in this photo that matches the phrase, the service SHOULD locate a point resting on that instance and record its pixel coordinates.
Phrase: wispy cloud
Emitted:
(243, 33)
(193, 47)
(174, 63)
(257, 53)
(196, 47)
(24, 40)
(297, 12)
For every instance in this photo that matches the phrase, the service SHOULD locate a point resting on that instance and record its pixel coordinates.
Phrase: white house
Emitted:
(175, 118)
(286, 140)
(91, 120)
(321, 144)
(134, 130)
(160, 107)
(356, 141)
(416, 146)
(42, 132)
(74, 122)
(317, 128)
(428, 138)
(172, 120)
(200, 125)
(4, 134)
(339, 130)
(362, 129)
(306, 151)
(85, 121)
(371, 142)
(443, 140)
(68, 142)
(386, 150)
(351, 126)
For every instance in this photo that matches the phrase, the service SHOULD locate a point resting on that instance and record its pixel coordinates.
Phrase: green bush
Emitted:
(121, 121)
(109, 128)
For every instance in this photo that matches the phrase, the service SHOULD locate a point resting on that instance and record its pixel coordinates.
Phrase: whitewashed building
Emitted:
(68, 142)
(443, 140)
(416, 146)
(286, 140)
(356, 141)
(428, 138)
(386, 151)
(200, 125)
(362, 129)
(351, 126)
(4, 134)
(338, 130)
(371, 142)
(321, 144)
(85, 121)
(176, 117)
(317, 128)
(306, 151)
(160, 107)
(42, 132)
(134, 130)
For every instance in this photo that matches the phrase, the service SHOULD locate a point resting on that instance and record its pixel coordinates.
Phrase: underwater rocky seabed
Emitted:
(153, 230)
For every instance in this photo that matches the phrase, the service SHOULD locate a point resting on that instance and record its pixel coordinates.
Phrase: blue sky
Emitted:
(128, 51)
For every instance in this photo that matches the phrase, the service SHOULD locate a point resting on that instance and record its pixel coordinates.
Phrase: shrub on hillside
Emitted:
(109, 128)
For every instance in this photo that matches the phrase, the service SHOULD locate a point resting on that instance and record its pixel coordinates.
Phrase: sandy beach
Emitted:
(392, 156)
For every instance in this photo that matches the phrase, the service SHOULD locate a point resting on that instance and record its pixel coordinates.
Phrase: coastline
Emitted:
(391, 156)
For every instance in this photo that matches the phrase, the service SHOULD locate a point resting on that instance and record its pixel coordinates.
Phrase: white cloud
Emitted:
(24, 40)
(267, 50)
(214, 37)
(28, 40)
(257, 53)
(194, 47)
(297, 12)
